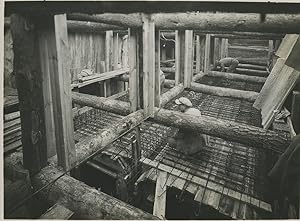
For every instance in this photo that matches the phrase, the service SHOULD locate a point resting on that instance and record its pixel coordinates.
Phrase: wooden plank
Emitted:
(271, 79)
(108, 60)
(207, 53)
(198, 54)
(188, 59)
(133, 71)
(148, 65)
(202, 182)
(295, 112)
(64, 128)
(177, 57)
(287, 45)
(12, 123)
(157, 87)
(98, 77)
(239, 77)
(278, 93)
(47, 71)
(11, 116)
(57, 211)
(293, 58)
(12, 146)
(224, 48)
(29, 84)
(159, 208)
(270, 52)
(217, 46)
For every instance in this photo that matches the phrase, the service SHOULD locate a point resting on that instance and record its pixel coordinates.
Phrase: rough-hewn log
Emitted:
(170, 94)
(83, 26)
(249, 35)
(234, 34)
(252, 72)
(229, 130)
(101, 103)
(252, 66)
(253, 61)
(85, 201)
(92, 27)
(239, 77)
(225, 92)
(29, 84)
(251, 22)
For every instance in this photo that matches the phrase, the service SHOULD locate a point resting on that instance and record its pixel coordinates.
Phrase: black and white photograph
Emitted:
(142, 110)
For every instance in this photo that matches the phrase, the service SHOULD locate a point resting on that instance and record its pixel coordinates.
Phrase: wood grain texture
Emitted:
(57, 211)
(250, 96)
(240, 77)
(287, 45)
(207, 53)
(64, 128)
(29, 84)
(159, 208)
(188, 58)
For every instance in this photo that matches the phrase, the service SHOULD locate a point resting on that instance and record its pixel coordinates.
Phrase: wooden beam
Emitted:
(216, 55)
(64, 128)
(157, 82)
(198, 53)
(170, 94)
(295, 112)
(224, 48)
(293, 58)
(98, 77)
(29, 85)
(287, 45)
(274, 23)
(239, 77)
(47, 49)
(93, 204)
(249, 35)
(207, 53)
(159, 208)
(57, 211)
(133, 71)
(228, 130)
(225, 92)
(148, 64)
(188, 58)
(102, 103)
(179, 59)
(270, 52)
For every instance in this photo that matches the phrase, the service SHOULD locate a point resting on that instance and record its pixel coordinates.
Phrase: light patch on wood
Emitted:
(159, 208)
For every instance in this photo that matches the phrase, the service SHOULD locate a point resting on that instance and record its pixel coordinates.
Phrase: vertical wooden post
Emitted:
(188, 58)
(296, 111)
(118, 85)
(47, 47)
(64, 128)
(198, 54)
(133, 70)
(108, 60)
(207, 53)
(270, 52)
(29, 85)
(216, 50)
(159, 208)
(224, 48)
(202, 51)
(157, 69)
(148, 64)
(179, 56)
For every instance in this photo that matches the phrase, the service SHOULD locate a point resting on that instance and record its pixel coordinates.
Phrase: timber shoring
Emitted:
(242, 133)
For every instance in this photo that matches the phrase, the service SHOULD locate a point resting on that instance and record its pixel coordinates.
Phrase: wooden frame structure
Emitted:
(144, 93)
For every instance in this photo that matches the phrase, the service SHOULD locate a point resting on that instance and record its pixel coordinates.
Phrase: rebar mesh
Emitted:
(231, 165)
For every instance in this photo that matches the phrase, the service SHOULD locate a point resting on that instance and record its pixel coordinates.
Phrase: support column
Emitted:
(30, 89)
(207, 53)
(179, 56)
(216, 56)
(198, 54)
(157, 91)
(108, 61)
(148, 65)
(188, 58)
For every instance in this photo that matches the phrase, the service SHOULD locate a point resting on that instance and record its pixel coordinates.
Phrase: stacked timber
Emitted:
(12, 131)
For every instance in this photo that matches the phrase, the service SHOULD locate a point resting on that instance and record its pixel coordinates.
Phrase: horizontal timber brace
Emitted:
(251, 22)
(229, 130)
